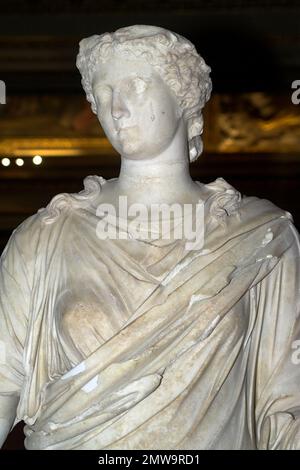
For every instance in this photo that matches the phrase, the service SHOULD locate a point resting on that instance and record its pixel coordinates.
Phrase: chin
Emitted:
(131, 150)
(134, 150)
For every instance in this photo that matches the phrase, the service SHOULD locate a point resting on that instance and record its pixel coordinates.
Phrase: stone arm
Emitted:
(14, 307)
(8, 407)
(274, 365)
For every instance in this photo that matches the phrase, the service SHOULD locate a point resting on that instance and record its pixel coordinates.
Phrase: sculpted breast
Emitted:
(86, 325)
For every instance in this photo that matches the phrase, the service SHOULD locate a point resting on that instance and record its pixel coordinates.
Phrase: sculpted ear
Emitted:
(179, 112)
(195, 148)
(195, 129)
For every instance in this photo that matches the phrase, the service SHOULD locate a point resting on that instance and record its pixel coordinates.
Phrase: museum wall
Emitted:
(252, 122)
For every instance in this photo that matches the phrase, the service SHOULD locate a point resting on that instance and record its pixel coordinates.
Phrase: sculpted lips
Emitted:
(124, 129)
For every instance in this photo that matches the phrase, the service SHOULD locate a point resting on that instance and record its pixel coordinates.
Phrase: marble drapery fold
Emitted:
(131, 344)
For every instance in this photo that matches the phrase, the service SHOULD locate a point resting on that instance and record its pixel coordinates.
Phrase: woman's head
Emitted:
(173, 57)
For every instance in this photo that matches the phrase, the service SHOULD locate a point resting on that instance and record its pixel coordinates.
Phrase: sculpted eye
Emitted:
(103, 94)
(139, 85)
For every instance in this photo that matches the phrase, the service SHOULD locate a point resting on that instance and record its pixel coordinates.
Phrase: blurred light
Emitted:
(37, 160)
(5, 161)
(20, 162)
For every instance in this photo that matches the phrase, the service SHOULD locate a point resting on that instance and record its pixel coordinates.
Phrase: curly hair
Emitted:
(175, 59)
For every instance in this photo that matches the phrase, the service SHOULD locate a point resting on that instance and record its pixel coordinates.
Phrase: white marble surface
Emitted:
(143, 344)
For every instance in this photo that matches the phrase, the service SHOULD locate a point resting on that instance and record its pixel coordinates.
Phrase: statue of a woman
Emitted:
(139, 342)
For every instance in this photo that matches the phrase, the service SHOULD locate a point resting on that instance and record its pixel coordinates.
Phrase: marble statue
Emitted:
(138, 342)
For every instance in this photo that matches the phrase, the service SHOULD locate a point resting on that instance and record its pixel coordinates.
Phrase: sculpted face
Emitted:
(136, 109)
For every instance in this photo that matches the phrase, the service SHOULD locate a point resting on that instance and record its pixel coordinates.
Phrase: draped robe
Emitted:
(142, 344)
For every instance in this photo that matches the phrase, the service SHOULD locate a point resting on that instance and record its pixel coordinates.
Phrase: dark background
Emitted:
(251, 46)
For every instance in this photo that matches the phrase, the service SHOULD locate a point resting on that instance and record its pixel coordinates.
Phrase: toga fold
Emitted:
(142, 344)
